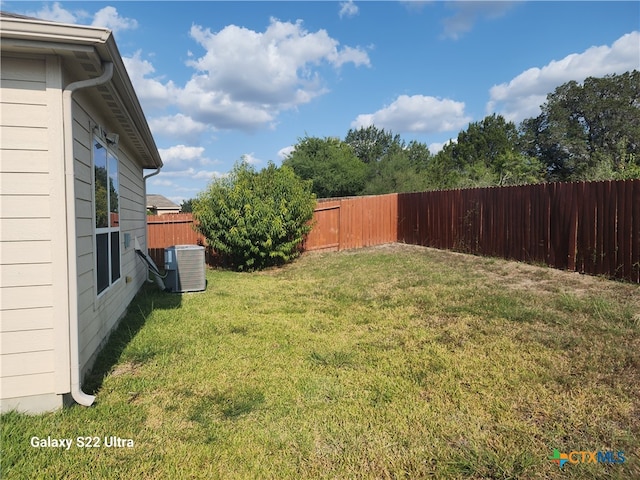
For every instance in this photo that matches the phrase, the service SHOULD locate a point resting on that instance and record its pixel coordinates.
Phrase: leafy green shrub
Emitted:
(255, 219)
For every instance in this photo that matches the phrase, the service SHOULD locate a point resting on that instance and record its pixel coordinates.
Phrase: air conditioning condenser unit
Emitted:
(185, 267)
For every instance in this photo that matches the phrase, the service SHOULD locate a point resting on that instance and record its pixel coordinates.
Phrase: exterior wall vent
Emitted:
(185, 267)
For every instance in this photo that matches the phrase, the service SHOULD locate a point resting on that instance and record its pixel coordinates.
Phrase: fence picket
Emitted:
(635, 231)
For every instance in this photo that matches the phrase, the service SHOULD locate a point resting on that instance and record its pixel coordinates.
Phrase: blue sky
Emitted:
(221, 81)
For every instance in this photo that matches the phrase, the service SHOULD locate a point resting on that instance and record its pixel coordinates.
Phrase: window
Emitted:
(106, 201)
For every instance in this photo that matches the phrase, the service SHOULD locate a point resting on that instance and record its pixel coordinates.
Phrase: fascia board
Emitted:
(37, 29)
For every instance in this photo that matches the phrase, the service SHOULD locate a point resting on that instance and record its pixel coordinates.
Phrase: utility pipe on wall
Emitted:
(72, 272)
(146, 225)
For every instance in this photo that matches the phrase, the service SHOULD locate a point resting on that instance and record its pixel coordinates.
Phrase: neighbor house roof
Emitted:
(85, 50)
(160, 202)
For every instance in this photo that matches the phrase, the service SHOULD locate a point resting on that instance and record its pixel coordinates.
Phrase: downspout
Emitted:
(146, 226)
(72, 273)
(157, 171)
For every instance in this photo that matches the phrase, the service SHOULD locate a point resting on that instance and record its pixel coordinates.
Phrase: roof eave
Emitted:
(74, 37)
(122, 83)
(26, 28)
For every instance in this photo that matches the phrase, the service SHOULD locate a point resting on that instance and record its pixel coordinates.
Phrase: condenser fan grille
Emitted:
(185, 266)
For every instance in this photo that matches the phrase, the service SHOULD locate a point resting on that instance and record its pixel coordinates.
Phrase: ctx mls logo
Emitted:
(559, 458)
(586, 457)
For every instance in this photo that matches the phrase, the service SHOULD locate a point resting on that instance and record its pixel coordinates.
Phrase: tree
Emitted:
(487, 153)
(400, 170)
(372, 144)
(588, 131)
(441, 173)
(418, 154)
(255, 219)
(330, 164)
(395, 173)
(102, 183)
(187, 206)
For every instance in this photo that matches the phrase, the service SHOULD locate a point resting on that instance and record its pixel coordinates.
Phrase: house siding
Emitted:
(29, 194)
(34, 326)
(99, 314)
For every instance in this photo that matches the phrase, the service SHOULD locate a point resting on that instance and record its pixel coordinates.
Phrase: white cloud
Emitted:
(522, 96)
(246, 78)
(283, 153)
(435, 147)
(177, 200)
(357, 56)
(151, 91)
(162, 183)
(208, 174)
(417, 113)
(220, 110)
(251, 159)
(56, 13)
(180, 153)
(108, 17)
(180, 191)
(186, 161)
(188, 173)
(348, 9)
(468, 13)
(178, 126)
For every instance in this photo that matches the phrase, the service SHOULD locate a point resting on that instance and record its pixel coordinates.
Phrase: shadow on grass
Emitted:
(148, 299)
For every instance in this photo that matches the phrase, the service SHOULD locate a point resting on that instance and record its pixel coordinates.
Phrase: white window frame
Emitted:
(109, 229)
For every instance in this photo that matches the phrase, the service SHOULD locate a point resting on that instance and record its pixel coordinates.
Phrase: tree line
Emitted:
(588, 131)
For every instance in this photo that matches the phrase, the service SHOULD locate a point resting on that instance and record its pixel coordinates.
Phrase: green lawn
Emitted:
(390, 362)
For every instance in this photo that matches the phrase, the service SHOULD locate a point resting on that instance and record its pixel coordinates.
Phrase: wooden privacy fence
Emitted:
(354, 222)
(339, 224)
(590, 227)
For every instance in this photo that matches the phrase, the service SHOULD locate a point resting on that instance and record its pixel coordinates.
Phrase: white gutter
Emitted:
(35, 29)
(72, 273)
(157, 171)
(146, 225)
